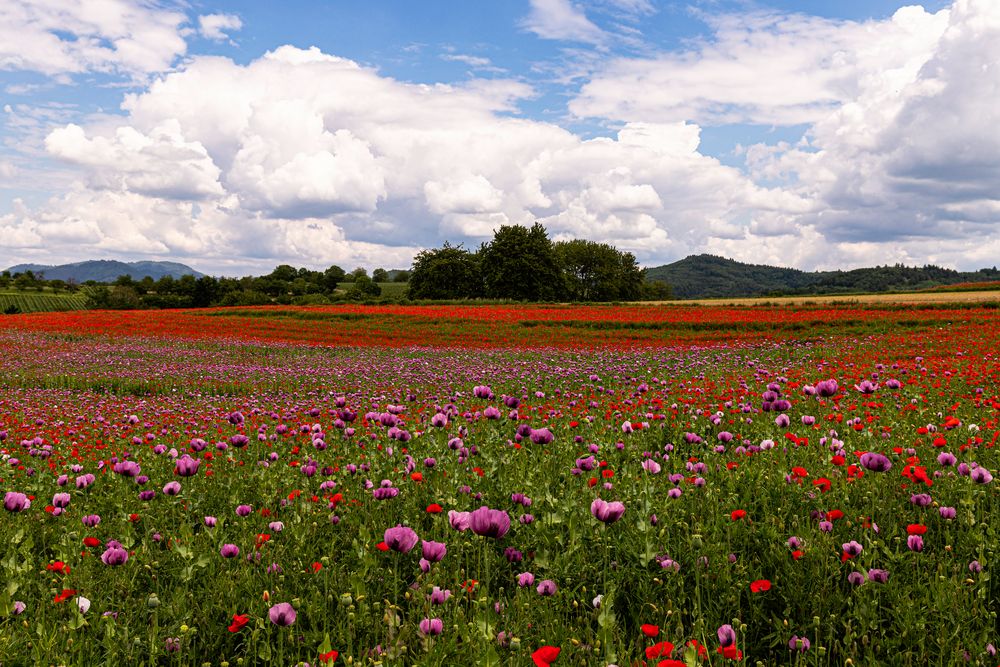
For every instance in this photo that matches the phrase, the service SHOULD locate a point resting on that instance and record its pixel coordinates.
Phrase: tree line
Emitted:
(519, 264)
(523, 264)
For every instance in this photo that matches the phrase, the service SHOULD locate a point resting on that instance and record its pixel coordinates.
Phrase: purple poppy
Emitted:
(282, 614)
(489, 523)
(401, 538)
(605, 511)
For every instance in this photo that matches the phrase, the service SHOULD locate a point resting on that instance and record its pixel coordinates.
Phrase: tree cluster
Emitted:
(523, 264)
(284, 285)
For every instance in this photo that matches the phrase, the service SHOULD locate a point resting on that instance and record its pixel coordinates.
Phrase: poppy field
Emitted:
(450, 485)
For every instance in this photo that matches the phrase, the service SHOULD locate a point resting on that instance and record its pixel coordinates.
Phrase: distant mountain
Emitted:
(708, 276)
(106, 271)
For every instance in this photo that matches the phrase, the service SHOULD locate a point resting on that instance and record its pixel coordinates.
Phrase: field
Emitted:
(32, 302)
(501, 485)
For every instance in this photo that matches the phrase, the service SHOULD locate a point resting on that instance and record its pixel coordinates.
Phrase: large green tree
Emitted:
(520, 264)
(449, 272)
(597, 271)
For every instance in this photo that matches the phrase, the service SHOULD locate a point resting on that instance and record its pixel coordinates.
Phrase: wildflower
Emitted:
(605, 511)
(545, 656)
(460, 521)
(401, 538)
(433, 551)
(172, 488)
(489, 523)
(878, 576)
(547, 587)
(659, 649)
(229, 551)
(650, 630)
(760, 586)
(915, 543)
(726, 634)
(431, 626)
(239, 620)
(800, 644)
(282, 614)
(14, 501)
(876, 462)
(525, 579)
(115, 554)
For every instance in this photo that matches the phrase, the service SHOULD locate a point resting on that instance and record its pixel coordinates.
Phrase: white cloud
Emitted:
(764, 68)
(217, 26)
(562, 20)
(302, 154)
(55, 37)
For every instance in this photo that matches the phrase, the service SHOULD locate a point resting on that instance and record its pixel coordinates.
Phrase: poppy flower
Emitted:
(730, 653)
(671, 663)
(916, 529)
(650, 630)
(434, 508)
(382, 546)
(545, 655)
(91, 542)
(329, 657)
(66, 594)
(760, 586)
(58, 566)
(659, 649)
(736, 515)
(797, 554)
(239, 620)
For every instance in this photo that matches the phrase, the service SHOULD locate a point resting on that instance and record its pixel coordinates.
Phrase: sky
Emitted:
(236, 135)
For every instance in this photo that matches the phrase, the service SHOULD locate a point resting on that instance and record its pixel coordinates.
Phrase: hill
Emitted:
(106, 271)
(709, 276)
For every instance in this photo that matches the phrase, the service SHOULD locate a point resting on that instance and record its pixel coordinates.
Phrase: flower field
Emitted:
(415, 485)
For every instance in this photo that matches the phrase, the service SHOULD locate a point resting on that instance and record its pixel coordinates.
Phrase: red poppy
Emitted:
(833, 515)
(434, 508)
(58, 566)
(66, 594)
(545, 656)
(659, 649)
(239, 620)
(317, 566)
(823, 484)
(797, 554)
(671, 663)
(382, 546)
(650, 630)
(916, 529)
(133, 517)
(730, 653)
(417, 477)
(736, 515)
(328, 657)
(592, 482)
(91, 542)
(699, 649)
(760, 586)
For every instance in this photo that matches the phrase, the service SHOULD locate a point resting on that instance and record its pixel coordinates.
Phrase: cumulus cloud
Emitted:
(562, 20)
(766, 68)
(217, 26)
(303, 154)
(55, 37)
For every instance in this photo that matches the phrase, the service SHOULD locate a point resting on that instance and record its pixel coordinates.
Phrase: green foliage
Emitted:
(520, 264)
(707, 276)
(597, 272)
(449, 272)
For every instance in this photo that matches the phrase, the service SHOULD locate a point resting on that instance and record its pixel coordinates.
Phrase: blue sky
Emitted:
(237, 135)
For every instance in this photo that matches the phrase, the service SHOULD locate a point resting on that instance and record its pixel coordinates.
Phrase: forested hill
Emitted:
(708, 276)
(106, 271)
